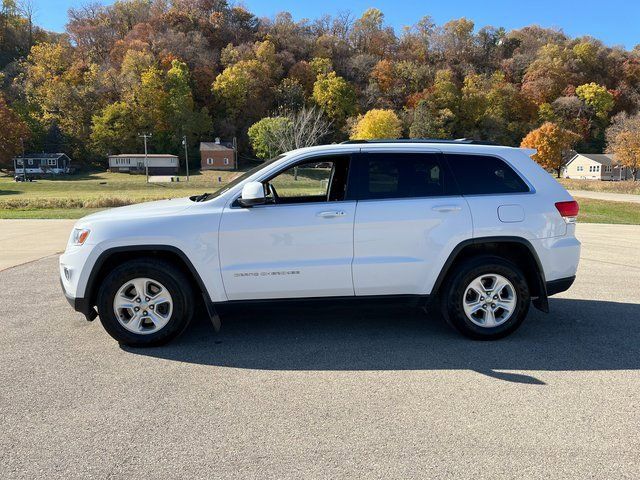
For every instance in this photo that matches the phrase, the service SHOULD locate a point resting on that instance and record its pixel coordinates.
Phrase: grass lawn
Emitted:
(105, 184)
(601, 211)
(79, 195)
(627, 186)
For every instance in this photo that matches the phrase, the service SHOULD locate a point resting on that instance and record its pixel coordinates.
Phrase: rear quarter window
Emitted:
(483, 174)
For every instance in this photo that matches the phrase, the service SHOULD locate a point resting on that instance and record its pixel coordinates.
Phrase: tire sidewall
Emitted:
(464, 275)
(172, 279)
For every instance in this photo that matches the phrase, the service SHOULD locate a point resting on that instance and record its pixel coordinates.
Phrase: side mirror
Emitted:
(252, 194)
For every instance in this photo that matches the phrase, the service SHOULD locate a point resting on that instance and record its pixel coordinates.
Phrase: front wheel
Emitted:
(145, 303)
(486, 298)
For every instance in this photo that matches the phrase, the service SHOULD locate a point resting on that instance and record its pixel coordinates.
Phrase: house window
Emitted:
(597, 168)
(226, 161)
(209, 161)
(52, 162)
(580, 168)
(30, 161)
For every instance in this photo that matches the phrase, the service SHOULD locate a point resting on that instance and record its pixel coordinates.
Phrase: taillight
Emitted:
(568, 210)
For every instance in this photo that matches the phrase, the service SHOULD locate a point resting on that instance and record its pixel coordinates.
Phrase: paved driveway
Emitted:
(610, 197)
(23, 241)
(337, 393)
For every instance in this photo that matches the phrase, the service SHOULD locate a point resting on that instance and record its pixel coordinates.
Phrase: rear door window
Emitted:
(483, 174)
(404, 175)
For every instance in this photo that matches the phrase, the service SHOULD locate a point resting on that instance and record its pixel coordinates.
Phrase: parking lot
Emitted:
(330, 393)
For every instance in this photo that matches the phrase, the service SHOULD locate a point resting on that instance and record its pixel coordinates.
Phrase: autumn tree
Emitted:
(377, 124)
(13, 133)
(549, 74)
(623, 140)
(369, 34)
(552, 143)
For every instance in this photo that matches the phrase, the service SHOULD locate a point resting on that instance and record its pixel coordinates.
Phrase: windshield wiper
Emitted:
(200, 198)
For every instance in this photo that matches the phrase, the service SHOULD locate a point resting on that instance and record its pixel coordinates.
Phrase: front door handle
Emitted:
(331, 214)
(447, 208)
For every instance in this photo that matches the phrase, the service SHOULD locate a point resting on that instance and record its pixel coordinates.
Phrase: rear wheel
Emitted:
(145, 303)
(486, 298)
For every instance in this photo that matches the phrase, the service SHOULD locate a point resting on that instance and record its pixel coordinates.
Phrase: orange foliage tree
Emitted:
(552, 143)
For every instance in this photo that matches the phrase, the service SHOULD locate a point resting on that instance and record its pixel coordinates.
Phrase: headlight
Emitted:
(79, 235)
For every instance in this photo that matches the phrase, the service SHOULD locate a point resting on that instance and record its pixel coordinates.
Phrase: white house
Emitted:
(42, 163)
(591, 166)
(159, 164)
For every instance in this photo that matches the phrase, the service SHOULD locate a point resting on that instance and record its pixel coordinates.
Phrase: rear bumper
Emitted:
(559, 285)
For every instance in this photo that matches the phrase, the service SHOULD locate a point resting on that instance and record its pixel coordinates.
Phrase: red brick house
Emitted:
(217, 155)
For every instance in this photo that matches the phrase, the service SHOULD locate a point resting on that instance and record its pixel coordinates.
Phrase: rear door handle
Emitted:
(447, 208)
(331, 214)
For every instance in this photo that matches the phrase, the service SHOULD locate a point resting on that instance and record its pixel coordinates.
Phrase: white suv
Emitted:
(475, 232)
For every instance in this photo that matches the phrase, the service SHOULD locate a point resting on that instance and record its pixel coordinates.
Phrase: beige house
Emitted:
(158, 164)
(592, 166)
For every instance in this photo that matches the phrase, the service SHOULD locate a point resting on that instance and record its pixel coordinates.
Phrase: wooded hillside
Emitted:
(205, 68)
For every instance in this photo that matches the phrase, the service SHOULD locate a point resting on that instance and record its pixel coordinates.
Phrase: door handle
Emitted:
(447, 208)
(331, 214)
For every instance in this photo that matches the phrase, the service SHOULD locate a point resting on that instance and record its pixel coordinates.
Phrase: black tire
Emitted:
(453, 292)
(170, 277)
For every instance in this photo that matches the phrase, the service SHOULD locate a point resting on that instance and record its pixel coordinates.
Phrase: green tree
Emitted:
(597, 97)
(377, 123)
(265, 135)
(436, 114)
(244, 88)
(335, 96)
(114, 130)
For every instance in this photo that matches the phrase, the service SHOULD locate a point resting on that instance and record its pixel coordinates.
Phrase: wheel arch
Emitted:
(514, 249)
(117, 255)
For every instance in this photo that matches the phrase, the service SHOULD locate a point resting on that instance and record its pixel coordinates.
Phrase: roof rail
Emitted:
(468, 141)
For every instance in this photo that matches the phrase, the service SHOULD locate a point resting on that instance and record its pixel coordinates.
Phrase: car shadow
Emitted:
(577, 335)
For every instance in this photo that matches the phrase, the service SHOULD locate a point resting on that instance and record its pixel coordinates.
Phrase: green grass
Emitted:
(602, 211)
(49, 213)
(79, 195)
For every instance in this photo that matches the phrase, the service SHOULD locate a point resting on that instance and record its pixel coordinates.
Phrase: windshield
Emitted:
(235, 181)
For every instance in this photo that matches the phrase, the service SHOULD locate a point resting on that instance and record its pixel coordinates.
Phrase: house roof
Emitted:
(601, 158)
(43, 155)
(142, 155)
(210, 146)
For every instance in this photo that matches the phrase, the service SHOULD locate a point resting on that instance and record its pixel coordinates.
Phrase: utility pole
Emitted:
(146, 163)
(235, 153)
(186, 154)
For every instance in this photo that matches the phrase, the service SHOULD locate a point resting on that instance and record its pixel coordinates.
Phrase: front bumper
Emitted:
(79, 304)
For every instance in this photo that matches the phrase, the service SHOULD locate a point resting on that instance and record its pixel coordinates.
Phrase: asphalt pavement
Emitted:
(329, 393)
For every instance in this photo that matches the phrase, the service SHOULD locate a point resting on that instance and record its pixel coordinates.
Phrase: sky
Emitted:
(615, 22)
